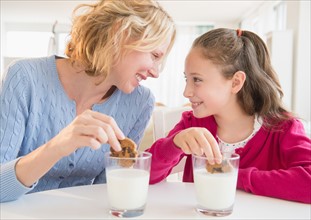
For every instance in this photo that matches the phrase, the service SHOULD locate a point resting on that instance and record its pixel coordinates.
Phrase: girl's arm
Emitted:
(165, 154)
(291, 179)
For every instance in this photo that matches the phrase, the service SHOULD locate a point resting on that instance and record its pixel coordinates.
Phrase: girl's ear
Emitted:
(238, 80)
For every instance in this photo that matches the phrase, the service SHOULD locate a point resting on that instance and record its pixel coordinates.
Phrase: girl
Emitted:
(58, 115)
(237, 106)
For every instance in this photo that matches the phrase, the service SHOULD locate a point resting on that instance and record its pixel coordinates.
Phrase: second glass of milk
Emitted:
(215, 186)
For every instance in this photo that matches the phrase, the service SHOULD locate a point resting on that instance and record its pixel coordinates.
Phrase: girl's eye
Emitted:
(195, 79)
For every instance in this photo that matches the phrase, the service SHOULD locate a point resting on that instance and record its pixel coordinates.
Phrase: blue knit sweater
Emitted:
(35, 108)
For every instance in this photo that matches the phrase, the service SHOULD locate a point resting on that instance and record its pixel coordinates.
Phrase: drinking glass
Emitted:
(127, 184)
(215, 185)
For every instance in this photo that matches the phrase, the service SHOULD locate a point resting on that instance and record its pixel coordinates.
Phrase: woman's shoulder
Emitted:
(29, 63)
(28, 67)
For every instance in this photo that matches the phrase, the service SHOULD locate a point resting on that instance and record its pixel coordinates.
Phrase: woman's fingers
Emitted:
(107, 124)
(109, 120)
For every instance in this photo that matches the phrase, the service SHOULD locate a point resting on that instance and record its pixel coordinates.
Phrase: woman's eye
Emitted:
(155, 55)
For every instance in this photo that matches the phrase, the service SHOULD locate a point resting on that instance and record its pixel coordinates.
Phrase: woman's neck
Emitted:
(80, 87)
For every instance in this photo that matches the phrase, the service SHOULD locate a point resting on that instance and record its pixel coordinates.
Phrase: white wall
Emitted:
(299, 21)
(196, 12)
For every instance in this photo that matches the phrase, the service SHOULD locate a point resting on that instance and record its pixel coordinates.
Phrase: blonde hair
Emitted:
(104, 31)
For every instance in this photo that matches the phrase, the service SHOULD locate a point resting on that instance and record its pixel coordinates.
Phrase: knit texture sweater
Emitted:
(35, 108)
(272, 163)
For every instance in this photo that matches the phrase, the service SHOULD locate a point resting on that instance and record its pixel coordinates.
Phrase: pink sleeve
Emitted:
(291, 179)
(165, 154)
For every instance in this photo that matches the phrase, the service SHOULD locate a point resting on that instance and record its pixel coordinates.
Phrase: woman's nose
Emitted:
(154, 72)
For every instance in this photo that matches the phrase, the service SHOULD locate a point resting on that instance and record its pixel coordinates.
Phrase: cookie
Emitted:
(128, 147)
(224, 167)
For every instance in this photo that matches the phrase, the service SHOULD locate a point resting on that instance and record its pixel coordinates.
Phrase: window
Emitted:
(31, 40)
(168, 88)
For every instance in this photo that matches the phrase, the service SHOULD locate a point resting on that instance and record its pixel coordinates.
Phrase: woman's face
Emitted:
(208, 91)
(137, 66)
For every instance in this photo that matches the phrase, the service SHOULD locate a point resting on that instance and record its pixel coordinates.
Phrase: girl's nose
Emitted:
(188, 91)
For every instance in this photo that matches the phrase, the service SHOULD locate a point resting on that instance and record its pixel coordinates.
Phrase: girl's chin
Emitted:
(199, 114)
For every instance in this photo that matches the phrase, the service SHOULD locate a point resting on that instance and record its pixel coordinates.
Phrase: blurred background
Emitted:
(41, 28)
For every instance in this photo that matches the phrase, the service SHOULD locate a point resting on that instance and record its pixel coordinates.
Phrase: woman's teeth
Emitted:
(138, 77)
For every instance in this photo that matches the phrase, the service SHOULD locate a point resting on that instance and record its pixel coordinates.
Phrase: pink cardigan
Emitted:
(274, 164)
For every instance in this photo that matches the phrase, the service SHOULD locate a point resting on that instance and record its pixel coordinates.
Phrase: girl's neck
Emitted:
(234, 128)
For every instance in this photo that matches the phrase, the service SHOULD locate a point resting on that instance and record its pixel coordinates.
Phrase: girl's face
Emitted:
(137, 66)
(206, 88)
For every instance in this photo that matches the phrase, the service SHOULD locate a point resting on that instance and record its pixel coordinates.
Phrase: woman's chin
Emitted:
(128, 90)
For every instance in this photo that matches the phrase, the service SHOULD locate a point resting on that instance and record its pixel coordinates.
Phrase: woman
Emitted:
(60, 115)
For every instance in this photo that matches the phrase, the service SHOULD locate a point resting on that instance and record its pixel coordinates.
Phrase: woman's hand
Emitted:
(198, 141)
(88, 129)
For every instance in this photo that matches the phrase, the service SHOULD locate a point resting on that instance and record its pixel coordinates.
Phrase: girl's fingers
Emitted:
(213, 147)
(185, 148)
(194, 146)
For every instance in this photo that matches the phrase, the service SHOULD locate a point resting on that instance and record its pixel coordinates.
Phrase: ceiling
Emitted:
(181, 10)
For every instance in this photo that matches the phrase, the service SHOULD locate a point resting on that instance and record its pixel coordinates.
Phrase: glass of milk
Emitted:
(127, 184)
(215, 186)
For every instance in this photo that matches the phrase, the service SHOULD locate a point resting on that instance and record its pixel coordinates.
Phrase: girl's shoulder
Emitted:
(290, 127)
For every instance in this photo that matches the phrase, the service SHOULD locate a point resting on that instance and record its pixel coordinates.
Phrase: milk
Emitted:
(127, 188)
(215, 190)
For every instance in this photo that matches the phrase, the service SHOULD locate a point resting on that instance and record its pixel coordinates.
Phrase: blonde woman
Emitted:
(60, 115)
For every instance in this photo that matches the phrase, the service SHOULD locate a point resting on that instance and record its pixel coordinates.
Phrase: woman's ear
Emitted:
(238, 80)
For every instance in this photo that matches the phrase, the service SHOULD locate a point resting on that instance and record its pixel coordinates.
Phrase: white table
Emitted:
(165, 201)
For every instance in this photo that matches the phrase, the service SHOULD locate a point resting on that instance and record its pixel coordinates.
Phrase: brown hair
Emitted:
(103, 32)
(234, 51)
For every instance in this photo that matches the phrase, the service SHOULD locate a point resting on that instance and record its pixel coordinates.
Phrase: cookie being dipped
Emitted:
(224, 167)
(128, 150)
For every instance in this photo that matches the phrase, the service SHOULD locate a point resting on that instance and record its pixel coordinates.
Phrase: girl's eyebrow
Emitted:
(194, 74)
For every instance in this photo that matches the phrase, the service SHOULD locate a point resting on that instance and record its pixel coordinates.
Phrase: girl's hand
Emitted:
(198, 141)
(88, 129)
